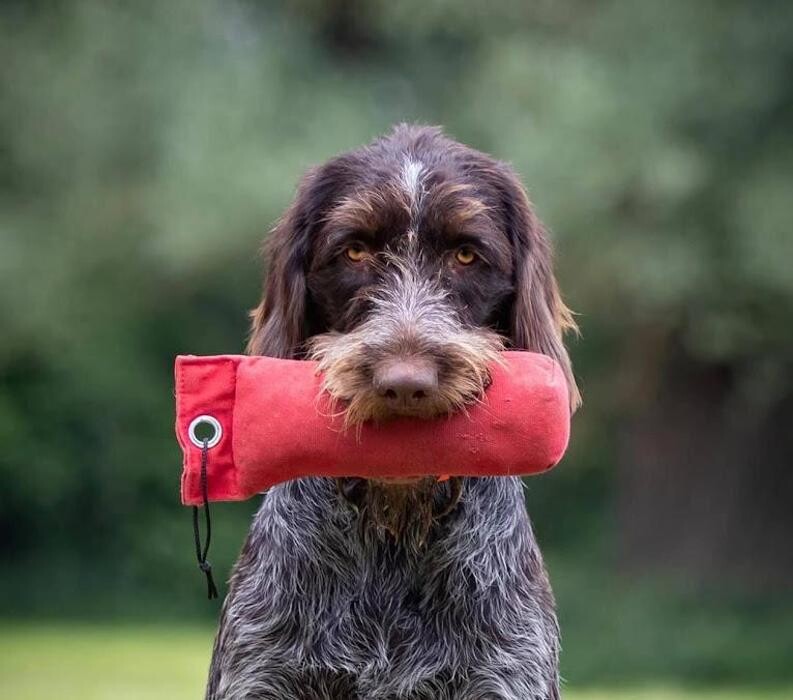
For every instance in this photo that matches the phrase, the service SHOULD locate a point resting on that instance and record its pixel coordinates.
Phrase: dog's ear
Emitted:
(279, 322)
(538, 318)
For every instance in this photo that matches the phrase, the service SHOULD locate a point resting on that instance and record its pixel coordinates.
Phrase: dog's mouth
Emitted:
(371, 383)
(397, 480)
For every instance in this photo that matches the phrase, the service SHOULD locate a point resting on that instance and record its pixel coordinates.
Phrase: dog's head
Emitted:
(403, 267)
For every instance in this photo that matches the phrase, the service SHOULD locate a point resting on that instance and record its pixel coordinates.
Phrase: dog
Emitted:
(403, 268)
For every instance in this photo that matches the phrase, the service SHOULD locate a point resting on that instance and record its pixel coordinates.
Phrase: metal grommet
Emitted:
(205, 420)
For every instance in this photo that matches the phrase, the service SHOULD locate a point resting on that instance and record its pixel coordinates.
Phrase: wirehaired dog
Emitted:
(403, 268)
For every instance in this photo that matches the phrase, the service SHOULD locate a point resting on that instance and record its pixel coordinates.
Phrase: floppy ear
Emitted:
(539, 318)
(277, 327)
(278, 323)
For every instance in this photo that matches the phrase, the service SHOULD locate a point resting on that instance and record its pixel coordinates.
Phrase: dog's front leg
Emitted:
(506, 685)
(282, 683)
(265, 646)
(244, 668)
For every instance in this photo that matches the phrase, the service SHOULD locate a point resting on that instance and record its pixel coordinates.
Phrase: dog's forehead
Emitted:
(407, 195)
(411, 179)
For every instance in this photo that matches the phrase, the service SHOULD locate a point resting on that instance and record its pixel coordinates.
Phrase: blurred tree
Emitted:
(146, 148)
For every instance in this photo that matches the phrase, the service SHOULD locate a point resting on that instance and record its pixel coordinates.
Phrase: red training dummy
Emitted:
(276, 425)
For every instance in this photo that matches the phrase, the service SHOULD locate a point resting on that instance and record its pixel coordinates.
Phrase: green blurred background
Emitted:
(145, 150)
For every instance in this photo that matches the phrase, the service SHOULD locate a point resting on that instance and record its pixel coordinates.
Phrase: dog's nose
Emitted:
(406, 383)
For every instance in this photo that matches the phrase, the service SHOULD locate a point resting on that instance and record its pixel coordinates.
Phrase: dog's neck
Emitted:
(404, 512)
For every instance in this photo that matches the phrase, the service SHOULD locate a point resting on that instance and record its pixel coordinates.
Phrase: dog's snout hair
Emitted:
(409, 315)
(403, 268)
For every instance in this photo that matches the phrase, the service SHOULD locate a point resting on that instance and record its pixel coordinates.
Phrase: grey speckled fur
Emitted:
(318, 610)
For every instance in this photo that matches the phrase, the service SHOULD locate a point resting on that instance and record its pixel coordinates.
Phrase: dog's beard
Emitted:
(404, 512)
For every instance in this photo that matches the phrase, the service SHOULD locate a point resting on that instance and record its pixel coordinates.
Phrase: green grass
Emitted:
(640, 693)
(102, 662)
(120, 662)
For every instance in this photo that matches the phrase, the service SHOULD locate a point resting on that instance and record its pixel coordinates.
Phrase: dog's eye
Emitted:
(465, 256)
(356, 252)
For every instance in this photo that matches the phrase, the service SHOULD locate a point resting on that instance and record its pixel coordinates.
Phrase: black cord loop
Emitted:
(201, 552)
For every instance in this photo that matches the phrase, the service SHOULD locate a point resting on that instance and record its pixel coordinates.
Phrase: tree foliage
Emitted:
(148, 147)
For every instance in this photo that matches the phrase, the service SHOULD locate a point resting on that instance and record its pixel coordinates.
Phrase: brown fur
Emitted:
(401, 509)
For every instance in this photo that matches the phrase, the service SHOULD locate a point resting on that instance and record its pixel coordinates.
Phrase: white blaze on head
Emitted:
(412, 181)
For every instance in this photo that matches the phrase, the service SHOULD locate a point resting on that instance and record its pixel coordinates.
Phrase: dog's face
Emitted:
(404, 267)
(408, 277)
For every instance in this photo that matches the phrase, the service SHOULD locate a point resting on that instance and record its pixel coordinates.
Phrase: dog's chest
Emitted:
(311, 595)
(395, 618)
